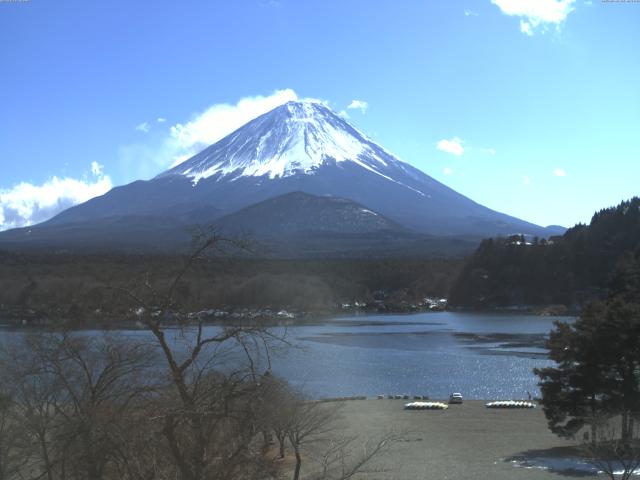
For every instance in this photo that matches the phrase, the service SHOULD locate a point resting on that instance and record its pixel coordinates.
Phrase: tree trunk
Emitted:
(199, 447)
(91, 461)
(174, 445)
(625, 430)
(45, 455)
(296, 473)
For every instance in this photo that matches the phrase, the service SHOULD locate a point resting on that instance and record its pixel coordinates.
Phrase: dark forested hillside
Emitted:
(564, 270)
(78, 288)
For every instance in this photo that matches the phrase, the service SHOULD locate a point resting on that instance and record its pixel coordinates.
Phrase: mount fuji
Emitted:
(299, 147)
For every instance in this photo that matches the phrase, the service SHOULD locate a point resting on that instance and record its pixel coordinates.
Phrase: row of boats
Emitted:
(444, 406)
(404, 397)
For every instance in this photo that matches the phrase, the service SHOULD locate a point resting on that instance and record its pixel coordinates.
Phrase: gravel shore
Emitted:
(467, 441)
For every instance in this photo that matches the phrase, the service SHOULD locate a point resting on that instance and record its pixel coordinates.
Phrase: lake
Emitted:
(481, 355)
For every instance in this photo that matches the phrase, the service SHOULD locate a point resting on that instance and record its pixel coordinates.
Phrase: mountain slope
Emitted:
(298, 224)
(297, 147)
(132, 233)
(300, 213)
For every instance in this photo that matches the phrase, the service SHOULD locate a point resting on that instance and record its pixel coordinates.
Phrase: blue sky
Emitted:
(530, 107)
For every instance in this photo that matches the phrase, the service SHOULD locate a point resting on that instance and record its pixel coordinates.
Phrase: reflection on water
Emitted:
(484, 356)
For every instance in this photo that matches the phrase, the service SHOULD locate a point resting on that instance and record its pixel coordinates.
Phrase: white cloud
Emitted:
(143, 127)
(525, 27)
(559, 172)
(536, 14)
(96, 169)
(490, 151)
(147, 159)
(453, 146)
(447, 170)
(161, 120)
(343, 114)
(358, 105)
(221, 119)
(26, 204)
(470, 13)
(526, 180)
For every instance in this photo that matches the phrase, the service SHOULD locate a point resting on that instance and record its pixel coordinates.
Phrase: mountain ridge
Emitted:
(296, 137)
(296, 147)
(300, 212)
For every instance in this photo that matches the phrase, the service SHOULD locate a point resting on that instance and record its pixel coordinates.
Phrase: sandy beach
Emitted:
(466, 441)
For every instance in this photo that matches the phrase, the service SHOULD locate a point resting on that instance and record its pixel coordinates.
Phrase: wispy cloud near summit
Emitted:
(452, 146)
(220, 120)
(144, 160)
(358, 105)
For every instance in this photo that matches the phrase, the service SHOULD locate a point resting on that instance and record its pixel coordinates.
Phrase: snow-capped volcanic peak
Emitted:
(294, 138)
(285, 169)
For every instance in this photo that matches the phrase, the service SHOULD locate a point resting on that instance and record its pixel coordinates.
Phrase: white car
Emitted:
(455, 398)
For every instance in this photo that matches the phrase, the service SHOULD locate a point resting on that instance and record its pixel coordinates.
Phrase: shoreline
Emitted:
(269, 321)
(416, 398)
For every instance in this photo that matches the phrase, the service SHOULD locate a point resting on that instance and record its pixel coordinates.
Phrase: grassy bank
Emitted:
(466, 441)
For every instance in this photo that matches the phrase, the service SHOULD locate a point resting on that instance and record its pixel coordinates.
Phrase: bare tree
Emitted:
(313, 429)
(14, 451)
(36, 409)
(278, 401)
(309, 422)
(208, 419)
(342, 458)
(74, 394)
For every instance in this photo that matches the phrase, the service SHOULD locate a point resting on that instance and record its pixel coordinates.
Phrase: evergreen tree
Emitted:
(597, 376)
(572, 392)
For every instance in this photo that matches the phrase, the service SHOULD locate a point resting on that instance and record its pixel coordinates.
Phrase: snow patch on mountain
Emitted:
(368, 212)
(295, 138)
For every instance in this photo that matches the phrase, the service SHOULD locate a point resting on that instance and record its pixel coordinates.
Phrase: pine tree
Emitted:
(597, 376)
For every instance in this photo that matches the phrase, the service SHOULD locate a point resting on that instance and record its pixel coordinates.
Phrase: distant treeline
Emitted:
(77, 287)
(567, 270)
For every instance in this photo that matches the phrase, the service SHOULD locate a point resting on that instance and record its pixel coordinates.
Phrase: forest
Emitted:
(79, 289)
(565, 270)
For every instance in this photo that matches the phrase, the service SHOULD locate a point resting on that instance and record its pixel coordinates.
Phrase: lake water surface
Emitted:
(481, 355)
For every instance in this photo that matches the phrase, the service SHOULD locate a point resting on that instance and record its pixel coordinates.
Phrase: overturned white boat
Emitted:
(510, 404)
(426, 406)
